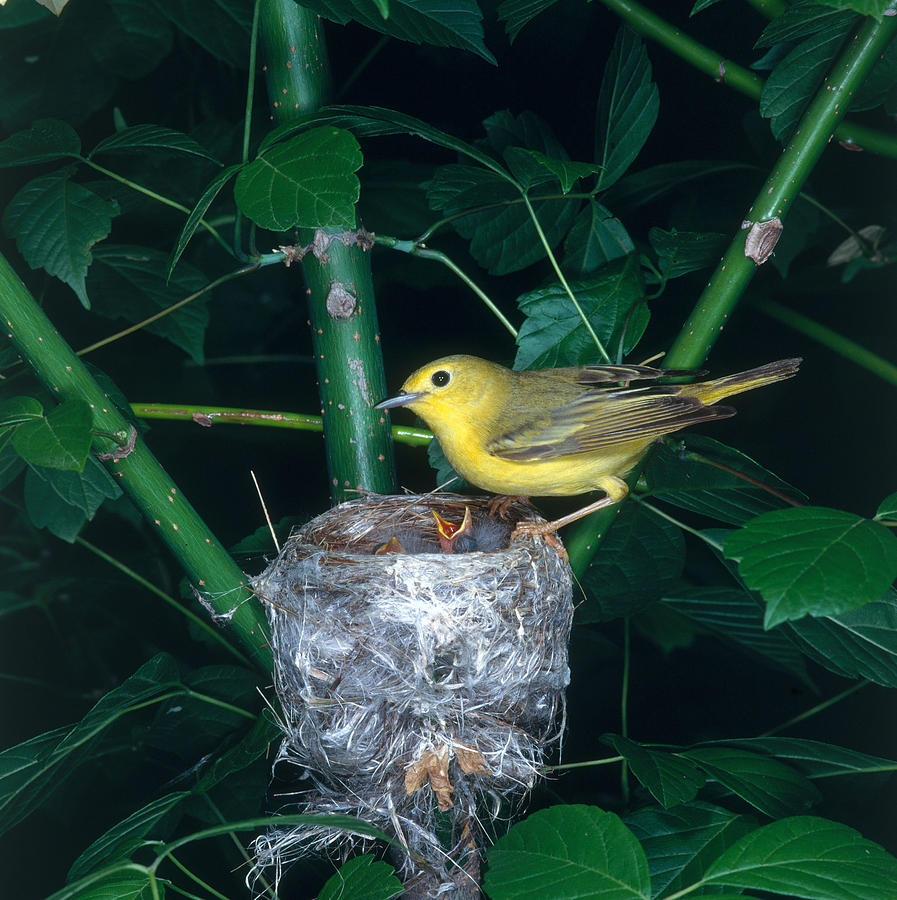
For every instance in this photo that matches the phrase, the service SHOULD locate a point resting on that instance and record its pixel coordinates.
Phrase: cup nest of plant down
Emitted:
(421, 681)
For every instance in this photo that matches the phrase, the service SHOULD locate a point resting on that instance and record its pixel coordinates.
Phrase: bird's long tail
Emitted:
(713, 391)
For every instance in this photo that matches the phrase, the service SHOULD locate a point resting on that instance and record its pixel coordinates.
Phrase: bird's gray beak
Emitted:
(402, 399)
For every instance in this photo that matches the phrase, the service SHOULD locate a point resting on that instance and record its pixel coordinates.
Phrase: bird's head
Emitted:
(450, 390)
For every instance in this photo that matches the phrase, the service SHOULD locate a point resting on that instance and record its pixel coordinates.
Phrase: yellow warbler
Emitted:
(557, 432)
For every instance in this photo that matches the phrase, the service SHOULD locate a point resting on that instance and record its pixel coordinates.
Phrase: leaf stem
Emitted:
(214, 633)
(159, 198)
(818, 708)
(557, 269)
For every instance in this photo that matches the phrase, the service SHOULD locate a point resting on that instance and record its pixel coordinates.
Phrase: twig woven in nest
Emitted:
(416, 681)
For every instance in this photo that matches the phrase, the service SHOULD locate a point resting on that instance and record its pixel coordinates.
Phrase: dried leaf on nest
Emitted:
(433, 764)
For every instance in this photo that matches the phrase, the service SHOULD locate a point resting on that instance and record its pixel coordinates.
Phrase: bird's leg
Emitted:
(615, 490)
(501, 504)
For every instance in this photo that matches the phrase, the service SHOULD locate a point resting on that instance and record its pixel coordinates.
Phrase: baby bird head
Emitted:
(451, 389)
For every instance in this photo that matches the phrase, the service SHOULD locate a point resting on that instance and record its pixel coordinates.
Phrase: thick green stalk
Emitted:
(342, 312)
(774, 199)
(723, 70)
(211, 570)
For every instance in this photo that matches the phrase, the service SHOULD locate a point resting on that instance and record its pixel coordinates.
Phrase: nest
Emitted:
(415, 684)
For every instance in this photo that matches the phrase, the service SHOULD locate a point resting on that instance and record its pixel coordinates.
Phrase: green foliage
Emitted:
(128, 182)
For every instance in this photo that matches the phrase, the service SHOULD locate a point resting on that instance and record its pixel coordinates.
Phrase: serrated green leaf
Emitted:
(131, 38)
(733, 615)
(86, 489)
(362, 878)
(18, 410)
(121, 881)
(695, 473)
(793, 82)
(808, 857)
(672, 779)
(570, 851)
(887, 509)
(122, 839)
(129, 282)
(45, 141)
(59, 440)
(641, 557)
(501, 232)
(879, 83)
(681, 842)
(813, 561)
(153, 138)
(681, 252)
(219, 26)
(627, 107)
(553, 333)
(308, 181)
(213, 188)
(246, 751)
(11, 464)
(517, 13)
(597, 237)
(796, 22)
(858, 644)
(442, 23)
(772, 787)
(567, 172)
(55, 223)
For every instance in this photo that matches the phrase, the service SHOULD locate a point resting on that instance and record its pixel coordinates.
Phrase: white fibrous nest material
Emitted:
(416, 682)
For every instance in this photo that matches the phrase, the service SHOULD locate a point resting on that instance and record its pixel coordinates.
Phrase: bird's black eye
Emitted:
(440, 378)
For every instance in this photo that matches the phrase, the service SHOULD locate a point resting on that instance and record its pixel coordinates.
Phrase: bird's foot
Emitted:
(500, 506)
(547, 531)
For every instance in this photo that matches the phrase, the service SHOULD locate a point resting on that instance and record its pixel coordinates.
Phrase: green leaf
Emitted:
(808, 857)
(681, 842)
(793, 82)
(151, 138)
(681, 252)
(120, 841)
(308, 181)
(816, 759)
(641, 557)
(122, 881)
(597, 237)
(59, 440)
(55, 223)
(700, 6)
(813, 561)
(734, 615)
(879, 83)
(86, 489)
(501, 232)
(768, 785)
(45, 141)
(517, 13)
(446, 476)
(672, 779)
(219, 26)
(18, 410)
(129, 282)
(636, 191)
(382, 7)
(693, 473)
(887, 509)
(255, 743)
(130, 38)
(46, 510)
(362, 878)
(206, 199)
(863, 7)
(627, 107)
(570, 851)
(797, 21)
(553, 333)
(858, 644)
(30, 772)
(568, 173)
(458, 23)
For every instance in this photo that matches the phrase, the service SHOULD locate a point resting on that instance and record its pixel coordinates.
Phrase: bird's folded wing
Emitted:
(597, 420)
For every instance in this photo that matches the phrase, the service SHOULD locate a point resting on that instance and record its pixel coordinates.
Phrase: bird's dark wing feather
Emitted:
(597, 419)
(606, 374)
